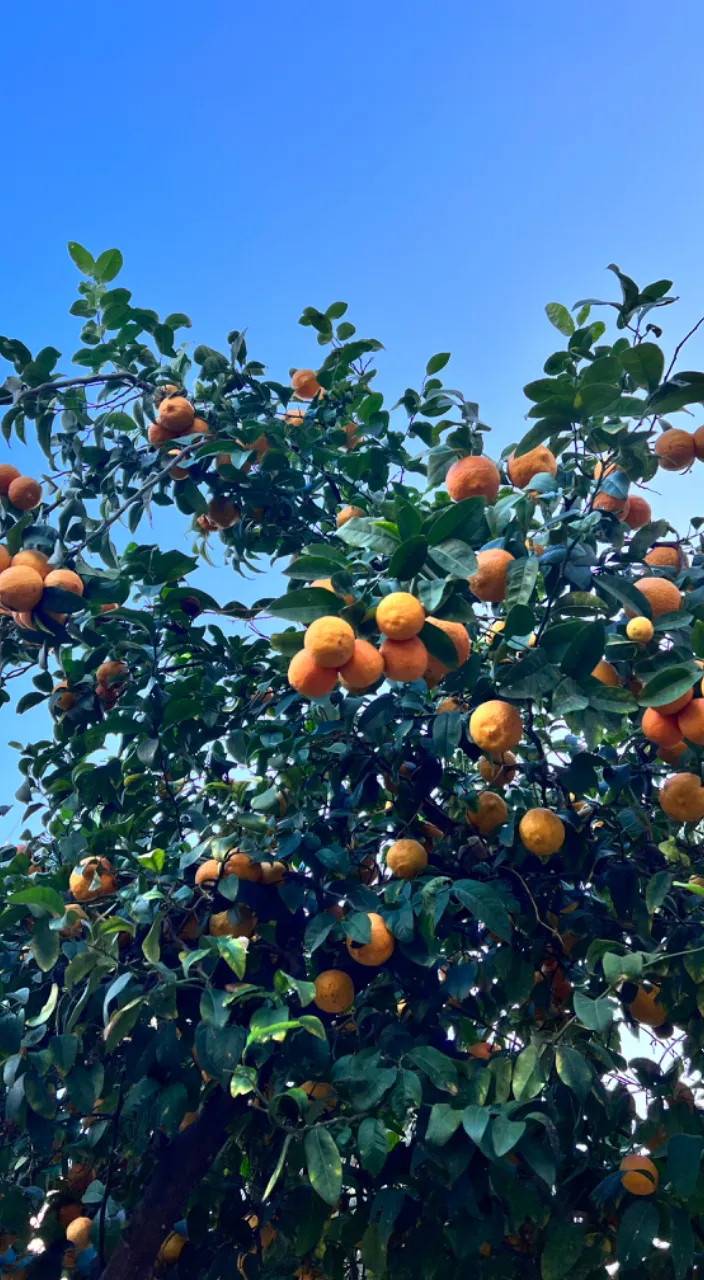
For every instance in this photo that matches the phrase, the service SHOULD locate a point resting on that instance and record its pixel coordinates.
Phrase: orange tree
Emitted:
(319, 948)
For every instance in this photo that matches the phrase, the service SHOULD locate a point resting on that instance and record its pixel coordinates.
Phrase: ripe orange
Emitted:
(66, 579)
(447, 705)
(307, 677)
(495, 727)
(404, 660)
(674, 449)
(92, 878)
(329, 641)
(5, 560)
(380, 946)
(305, 384)
(21, 588)
(698, 438)
(220, 927)
(66, 699)
(241, 865)
(78, 1232)
(605, 673)
(334, 991)
(668, 555)
(295, 417)
(473, 477)
(662, 595)
(400, 616)
(177, 472)
(691, 722)
(170, 1249)
(678, 704)
(640, 630)
(348, 513)
(110, 672)
(405, 858)
(157, 434)
(608, 502)
(363, 669)
(176, 415)
(198, 427)
(24, 493)
(491, 812)
(223, 513)
(498, 773)
(659, 728)
(536, 462)
(457, 632)
(76, 919)
(638, 512)
(542, 832)
(481, 1050)
(670, 755)
(273, 872)
(489, 581)
(681, 797)
(208, 872)
(645, 1007)
(8, 473)
(33, 560)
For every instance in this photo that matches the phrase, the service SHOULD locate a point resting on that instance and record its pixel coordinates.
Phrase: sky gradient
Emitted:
(446, 169)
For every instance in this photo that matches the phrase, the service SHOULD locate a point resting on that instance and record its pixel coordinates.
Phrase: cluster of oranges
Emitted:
(177, 417)
(23, 580)
(22, 491)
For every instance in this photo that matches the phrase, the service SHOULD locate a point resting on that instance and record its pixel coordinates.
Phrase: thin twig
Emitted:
(87, 381)
(680, 345)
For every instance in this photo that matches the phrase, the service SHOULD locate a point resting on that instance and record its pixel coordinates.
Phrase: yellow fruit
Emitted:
(170, 1249)
(405, 858)
(681, 797)
(491, 812)
(400, 616)
(498, 773)
(640, 630)
(176, 415)
(640, 1176)
(32, 559)
(78, 1232)
(674, 449)
(66, 579)
(659, 728)
(535, 462)
(378, 949)
(305, 384)
(661, 594)
(638, 512)
(404, 660)
(667, 555)
(489, 582)
(21, 588)
(495, 727)
(474, 477)
(25, 493)
(8, 473)
(220, 927)
(605, 673)
(347, 513)
(457, 632)
(241, 865)
(329, 641)
(542, 832)
(334, 991)
(646, 1008)
(92, 878)
(363, 669)
(307, 676)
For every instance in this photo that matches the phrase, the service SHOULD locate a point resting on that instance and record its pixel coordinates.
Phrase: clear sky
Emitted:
(446, 168)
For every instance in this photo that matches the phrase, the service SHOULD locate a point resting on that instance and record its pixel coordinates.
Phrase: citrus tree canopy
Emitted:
(332, 909)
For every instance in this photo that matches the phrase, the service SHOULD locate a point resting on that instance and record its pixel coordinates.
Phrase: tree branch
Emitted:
(89, 380)
(679, 347)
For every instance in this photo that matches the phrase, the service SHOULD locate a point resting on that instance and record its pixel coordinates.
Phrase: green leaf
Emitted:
(521, 578)
(505, 1134)
(563, 1247)
(47, 1008)
(444, 1121)
(684, 1154)
(10, 1034)
(234, 953)
(560, 317)
(371, 535)
(151, 947)
(528, 1075)
(455, 558)
(519, 622)
(618, 968)
(64, 1050)
(436, 1066)
(574, 1071)
(82, 258)
(595, 1015)
(681, 1242)
(439, 645)
(474, 1121)
(80, 1086)
(324, 1164)
(585, 650)
(278, 1168)
(305, 604)
(45, 944)
(373, 1145)
(447, 732)
(668, 684)
(121, 1023)
(657, 890)
(638, 1228)
(436, 363)
(486, 904)
(464, 518)
(623, 591)
(438, 463)
(408, 559)
(645, 364)
(107, 266)
(39, 896)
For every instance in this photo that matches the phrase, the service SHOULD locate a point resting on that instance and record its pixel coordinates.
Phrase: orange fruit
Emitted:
(698, 438)
(78, 1232)
(666, 555)
(640, 630)
(326, 584)
(66, 579)
(8, 473)
(405, 858)
(208, 872)
(645, 1007)
(170, 1249)
(638, 512)
(608, 502)
(273, 872)
(659, 728)
(66, 699)
(307, 677)
(305, 384)
(447, 705)
(92, 878)
(223, 513)
(363, 669)
(400, 616)
(457, 632)
(670, 755)
(536, 462)
(5, 560)
(380, 946)
(661, 594)
(473, 477)
(24, 493)
(489, 581)
(241, 865)
(295, 417)
(220, 927)
(110, 672)
(404, 660)
(76, 919)
(674, 449)
(495, 727)
(678, 704)
(681, 797)
(334, 991)
(498, 773)
(33, 560)
(481, 1050)
(691, 722)
(605, 673)
(21, 588)
(198, 427)
(329, 641)
(348, 513)
(157, 434)
(176, 415)
(542, 832)
(177, 472)
(491, 812)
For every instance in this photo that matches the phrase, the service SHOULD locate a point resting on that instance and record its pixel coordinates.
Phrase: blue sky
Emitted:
(445, 168)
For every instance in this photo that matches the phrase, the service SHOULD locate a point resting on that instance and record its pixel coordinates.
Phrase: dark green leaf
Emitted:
(82, 258)
(305, 604)
(107, 266)
(585, 650)
(324, 1164)
(436, 363)
(372, 1144)
(408, 559)
(638, 1228)
(486, 904)
(455, 557)
(574, 1071)
(645, 364)
(684, 1154)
